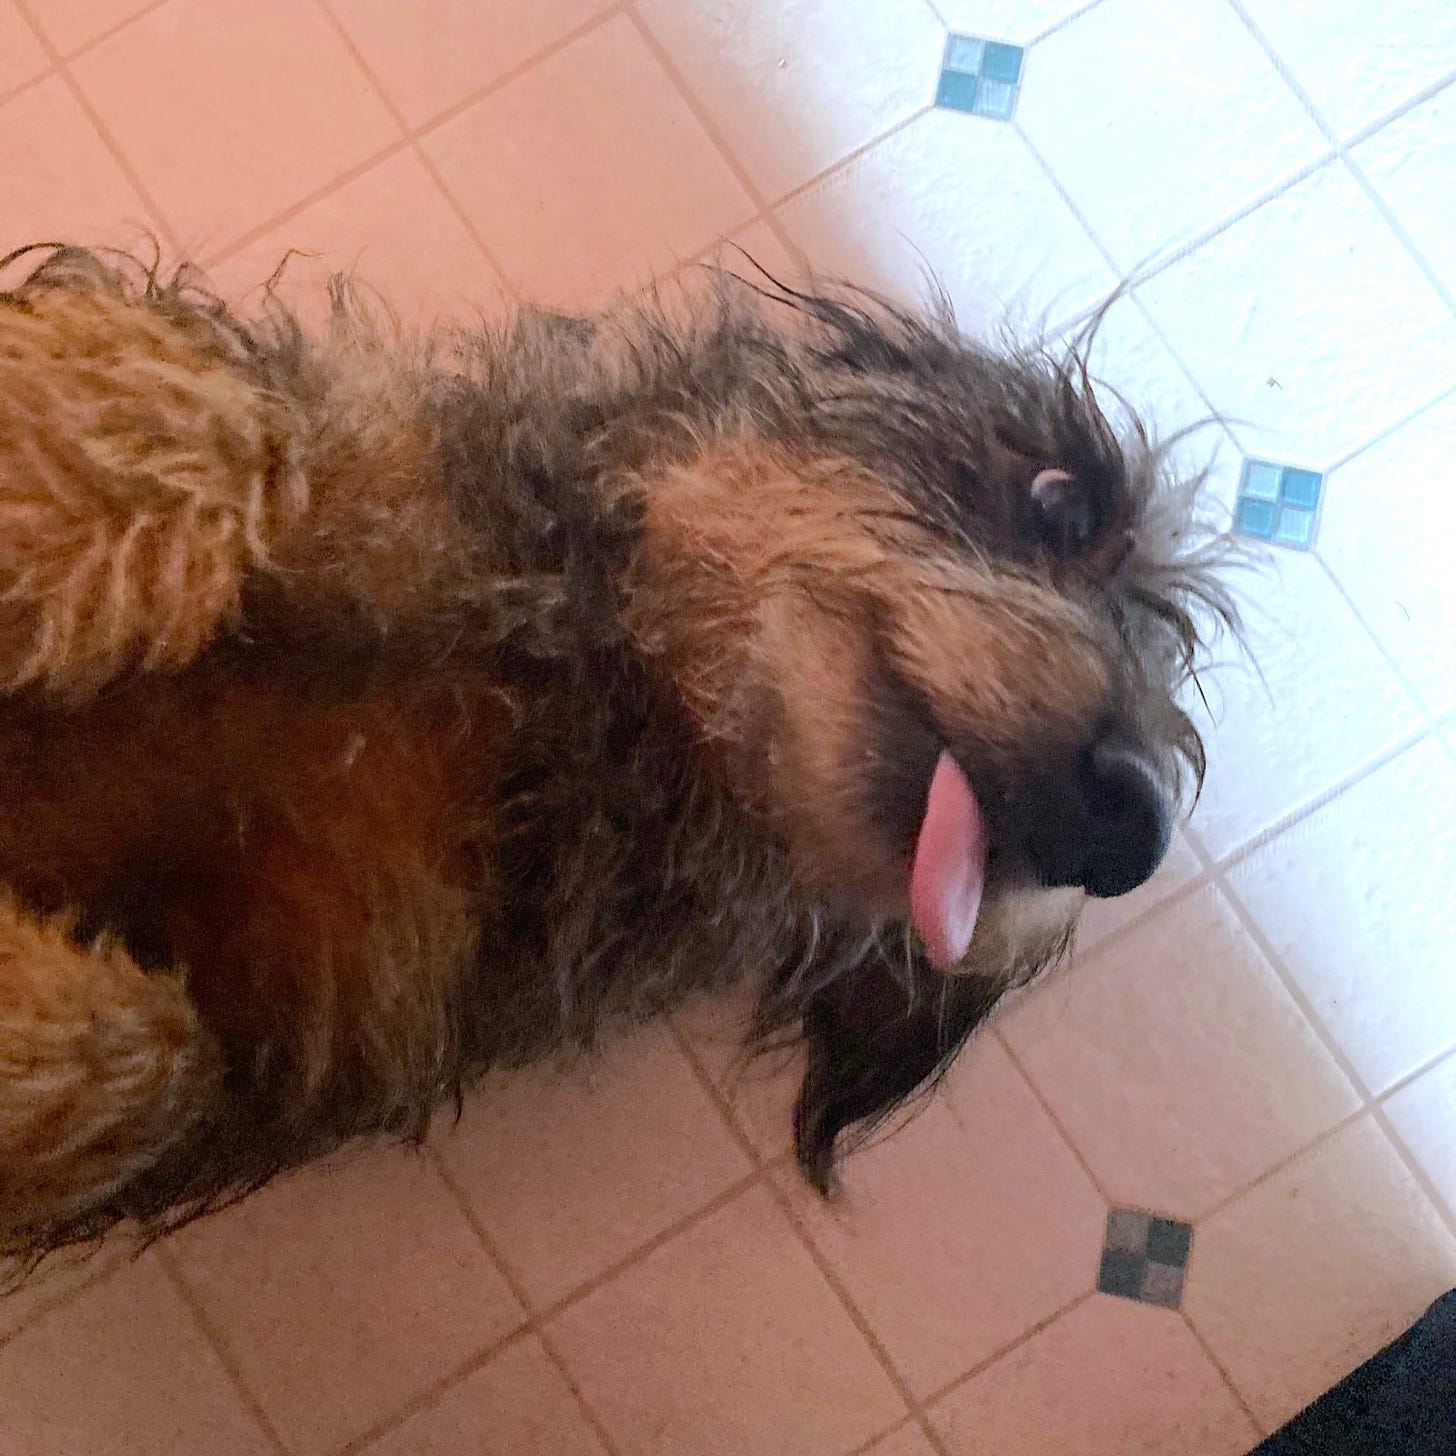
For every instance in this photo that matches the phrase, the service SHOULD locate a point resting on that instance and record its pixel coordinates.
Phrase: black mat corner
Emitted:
(1401, 1402)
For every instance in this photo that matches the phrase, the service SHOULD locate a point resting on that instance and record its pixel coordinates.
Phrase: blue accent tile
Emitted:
(1261, 480)
(1278, 503)
(1301, 488)
(1001, 62)
(995, 98)
(1162, 1285)
(1256, 518)
(1121, 1273)
(1144, 1257)
(964, 53)
(1169, 1242)
(1295, 527)
(979, 76)
(957, 91)
(1128, 1230)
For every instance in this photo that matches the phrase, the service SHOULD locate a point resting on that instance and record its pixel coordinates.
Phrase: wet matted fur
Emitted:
(373, 715)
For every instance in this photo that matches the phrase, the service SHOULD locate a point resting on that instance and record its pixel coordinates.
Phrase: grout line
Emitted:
(1397, 671)
(116, 26)
(1386, 431)
(1062, 24)
(413, 143)
(1052, 1117)
(547, 52)
(1232, 859)
(425, 1399)
(866, 1448)
(1010, 1347)
(6, 97)
(538, 1319)
(1342, 151)
(1227, 1379)
(1426, 93)
(220, 1347)
(1370, 1101)
(679, 83)
(843, 164)
(1444, 1210)
(1320, 1140)
(108, 1261)
(413, 137)
(914, 1407)
(157, 218)
(902, 1386)
(1430, 1065)
(207, 260)
(1215, 415)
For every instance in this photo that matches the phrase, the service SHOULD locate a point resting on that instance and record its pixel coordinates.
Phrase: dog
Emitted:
(375, 714)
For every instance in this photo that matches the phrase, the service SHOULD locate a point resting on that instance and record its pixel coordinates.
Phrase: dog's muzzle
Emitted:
(1107, 826)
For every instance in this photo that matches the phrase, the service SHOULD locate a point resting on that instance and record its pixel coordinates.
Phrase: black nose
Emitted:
(1128, 825)
(1105, 825)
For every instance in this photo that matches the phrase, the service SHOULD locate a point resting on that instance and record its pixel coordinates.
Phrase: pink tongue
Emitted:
(949, 870)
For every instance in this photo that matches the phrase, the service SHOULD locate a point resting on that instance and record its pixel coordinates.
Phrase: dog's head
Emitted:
(934, 614)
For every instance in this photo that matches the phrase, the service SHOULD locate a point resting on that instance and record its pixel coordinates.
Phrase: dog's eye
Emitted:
(1063, 512)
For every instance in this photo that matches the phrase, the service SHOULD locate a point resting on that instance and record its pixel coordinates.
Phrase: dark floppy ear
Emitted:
(874, 1040)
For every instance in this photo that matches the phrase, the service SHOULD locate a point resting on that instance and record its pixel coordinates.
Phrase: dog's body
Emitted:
(370, 719)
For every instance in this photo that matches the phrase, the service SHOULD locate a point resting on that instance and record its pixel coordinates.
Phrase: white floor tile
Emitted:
(831, 76)
(1012, 20)
(1412, 163)
(1311, 702)
(1325, 330)
(1163, 152)
(964, 198)
(1357, 60)
(1356, 901)
(1177, 1062)
(1301, 1280)
(1389, 518)
(1423, 1114)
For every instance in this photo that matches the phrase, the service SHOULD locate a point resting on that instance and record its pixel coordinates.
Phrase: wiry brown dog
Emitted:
(371, 718)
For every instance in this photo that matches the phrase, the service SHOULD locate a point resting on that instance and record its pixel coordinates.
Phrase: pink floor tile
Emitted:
(1109, 1378)
(1136, 1053)
(51, 1285)
(570, 1172)
(600, 178)
(121, 1370)
(1299, 1281)
(515, 1405)
(760, 1091)
(58, 181)
(21, 56)
(907, 1441)
(724, 1341)
(232, 113)
(70, 24)
(432, 54)
(393, 229)
(960, 1232)
(344, 1292)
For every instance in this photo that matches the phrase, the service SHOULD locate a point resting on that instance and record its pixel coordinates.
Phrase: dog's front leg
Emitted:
(142, 474)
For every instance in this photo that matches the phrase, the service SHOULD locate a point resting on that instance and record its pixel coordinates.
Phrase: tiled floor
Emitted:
(1261, 1045)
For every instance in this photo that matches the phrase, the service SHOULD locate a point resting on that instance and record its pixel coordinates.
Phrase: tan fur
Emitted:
(372, 716)
(103, 1069)
(776, 602)
(141, 478)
